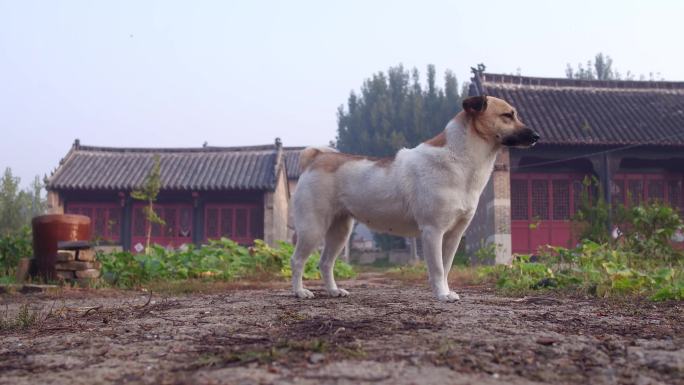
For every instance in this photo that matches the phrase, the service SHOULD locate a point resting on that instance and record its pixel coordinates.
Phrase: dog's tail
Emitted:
(307, 156)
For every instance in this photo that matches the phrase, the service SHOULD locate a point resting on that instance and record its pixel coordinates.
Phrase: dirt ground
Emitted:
(385, 333)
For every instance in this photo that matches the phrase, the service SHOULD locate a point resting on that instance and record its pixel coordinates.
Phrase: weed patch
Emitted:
(24, 319)
(220, 260)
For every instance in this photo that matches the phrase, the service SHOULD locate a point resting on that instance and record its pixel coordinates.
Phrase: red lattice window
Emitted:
(255, 222)
(656, 190)
(674, 192)
(617, 192)
(170, 225)
(635, 191)
(519, 207)
(138, 222)
(212, 223)
(114, 223)
(105, 218)
(561, 199)
(578, 189)
(242, 223)
(226, 221)
(185, 222)
(176, 230)
(540, 199)
(634, 188)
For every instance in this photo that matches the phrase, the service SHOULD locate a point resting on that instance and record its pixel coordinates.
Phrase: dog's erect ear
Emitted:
(475, 104)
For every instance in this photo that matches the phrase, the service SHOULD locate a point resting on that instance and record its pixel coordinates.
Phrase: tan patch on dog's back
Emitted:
(331, 161)
(438, 141)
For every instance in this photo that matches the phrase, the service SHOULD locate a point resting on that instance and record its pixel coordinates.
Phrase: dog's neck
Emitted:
(464, 141)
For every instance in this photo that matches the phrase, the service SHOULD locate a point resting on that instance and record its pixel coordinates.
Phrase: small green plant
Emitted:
(593, 212)
(148, 193)
(649, 230)
(486, 253)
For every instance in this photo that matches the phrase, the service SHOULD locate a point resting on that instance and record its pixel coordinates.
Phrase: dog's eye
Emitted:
(508, 115)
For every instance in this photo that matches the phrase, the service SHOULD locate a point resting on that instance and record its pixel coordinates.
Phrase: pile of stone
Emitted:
(77, 265)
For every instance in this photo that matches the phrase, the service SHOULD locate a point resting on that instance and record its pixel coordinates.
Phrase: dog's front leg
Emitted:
(432, 249)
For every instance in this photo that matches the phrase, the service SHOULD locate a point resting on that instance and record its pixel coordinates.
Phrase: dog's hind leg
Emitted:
(336, 238)
(307, 241)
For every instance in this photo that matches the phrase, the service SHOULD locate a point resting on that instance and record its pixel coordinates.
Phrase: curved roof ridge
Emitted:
(519, 80)
(204, 149)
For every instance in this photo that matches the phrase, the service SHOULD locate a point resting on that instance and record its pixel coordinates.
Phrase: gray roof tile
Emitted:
(199, 169)
(570, 111)
(291, 155)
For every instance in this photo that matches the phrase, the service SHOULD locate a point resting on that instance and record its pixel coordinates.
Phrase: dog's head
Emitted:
(497, 121)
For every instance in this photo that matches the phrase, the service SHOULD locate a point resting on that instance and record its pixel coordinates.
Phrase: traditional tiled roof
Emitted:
(194, 169)
(291, 155)
(592, 112)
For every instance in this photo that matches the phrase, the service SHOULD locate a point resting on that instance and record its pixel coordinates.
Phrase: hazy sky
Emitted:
(172, 73)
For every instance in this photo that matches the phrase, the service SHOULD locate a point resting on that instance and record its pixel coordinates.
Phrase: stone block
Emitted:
(87, 255)
(77, 265)
(89, 273)
(66, 255)
(64, 274)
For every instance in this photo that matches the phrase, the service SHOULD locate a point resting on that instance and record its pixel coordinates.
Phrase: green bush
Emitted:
(593, 268)
(649, 229)
(219, 260)
(13, 247)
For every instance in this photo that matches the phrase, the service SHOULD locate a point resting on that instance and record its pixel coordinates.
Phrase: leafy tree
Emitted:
(17, 206)
(601, 68)
(10, 203)
(148, 193)
(394, 110)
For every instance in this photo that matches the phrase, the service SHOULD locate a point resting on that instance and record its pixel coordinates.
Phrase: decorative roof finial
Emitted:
(278, 143)
(77, 143)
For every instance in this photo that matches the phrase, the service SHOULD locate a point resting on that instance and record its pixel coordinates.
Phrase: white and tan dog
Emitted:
(430, 191)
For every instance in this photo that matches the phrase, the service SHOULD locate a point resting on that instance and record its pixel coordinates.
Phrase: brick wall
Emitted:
(492, 220)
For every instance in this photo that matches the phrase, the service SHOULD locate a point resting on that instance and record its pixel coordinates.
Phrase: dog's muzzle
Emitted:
(525, 137)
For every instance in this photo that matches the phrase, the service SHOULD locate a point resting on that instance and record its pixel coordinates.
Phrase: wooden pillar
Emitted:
(197, 219)
(55, 203)
(127, 222)
(605, 166)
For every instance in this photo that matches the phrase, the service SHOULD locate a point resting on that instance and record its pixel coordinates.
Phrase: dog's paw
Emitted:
(338, 293)
(449, 297)
(304, 293)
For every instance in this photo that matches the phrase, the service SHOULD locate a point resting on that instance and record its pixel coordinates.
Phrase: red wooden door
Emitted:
(542, 206)
(176, 231)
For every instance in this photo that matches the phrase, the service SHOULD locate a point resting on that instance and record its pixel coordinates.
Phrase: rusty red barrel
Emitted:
(53, 228)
